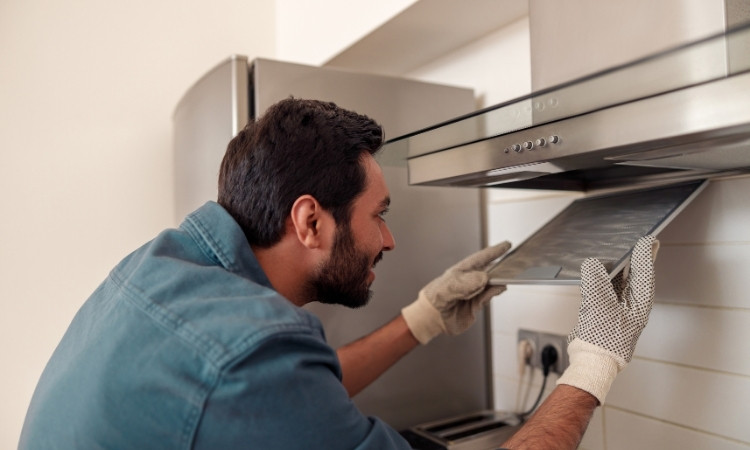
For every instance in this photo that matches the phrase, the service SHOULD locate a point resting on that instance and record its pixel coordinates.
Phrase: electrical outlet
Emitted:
(538, 341)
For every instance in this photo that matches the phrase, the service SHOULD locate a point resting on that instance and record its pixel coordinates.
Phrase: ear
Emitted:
(309, 221)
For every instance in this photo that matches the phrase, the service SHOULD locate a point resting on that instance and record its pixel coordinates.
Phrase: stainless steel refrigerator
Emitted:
(434, 227)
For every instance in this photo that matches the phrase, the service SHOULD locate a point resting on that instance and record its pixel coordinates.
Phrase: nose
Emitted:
(389, 243)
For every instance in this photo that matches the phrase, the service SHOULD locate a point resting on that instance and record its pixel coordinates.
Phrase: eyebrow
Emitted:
(385, 202)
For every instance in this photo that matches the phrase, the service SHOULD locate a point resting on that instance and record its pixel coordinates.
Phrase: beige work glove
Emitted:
(448, 304)
(610, 320)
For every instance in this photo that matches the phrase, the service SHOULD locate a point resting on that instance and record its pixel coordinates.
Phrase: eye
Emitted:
(382, 214)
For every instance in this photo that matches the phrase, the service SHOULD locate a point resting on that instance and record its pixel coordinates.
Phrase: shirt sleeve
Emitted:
(286, 393)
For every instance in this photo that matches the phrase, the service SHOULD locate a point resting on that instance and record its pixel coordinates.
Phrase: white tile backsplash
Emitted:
(505, 344)
(553, 309)
(703, 274)
(709, 338)
(703, 400)
(506, 394)
(626, 431)
(721, 213)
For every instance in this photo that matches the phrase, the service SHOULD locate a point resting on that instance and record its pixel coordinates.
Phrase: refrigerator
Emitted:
(434, 227)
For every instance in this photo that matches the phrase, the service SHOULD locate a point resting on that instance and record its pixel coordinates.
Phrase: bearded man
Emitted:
(198, 339)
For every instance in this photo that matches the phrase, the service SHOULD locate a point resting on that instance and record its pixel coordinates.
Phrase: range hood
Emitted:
(641, 140)
(679, 115)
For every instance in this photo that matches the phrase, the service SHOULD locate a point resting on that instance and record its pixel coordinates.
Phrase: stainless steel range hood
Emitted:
(640, 139)
(678, 115)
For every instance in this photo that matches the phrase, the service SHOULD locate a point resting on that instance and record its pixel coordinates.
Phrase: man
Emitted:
(197, 339)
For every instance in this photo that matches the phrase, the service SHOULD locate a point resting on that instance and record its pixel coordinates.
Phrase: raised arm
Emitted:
(610, 320)
(559, 423)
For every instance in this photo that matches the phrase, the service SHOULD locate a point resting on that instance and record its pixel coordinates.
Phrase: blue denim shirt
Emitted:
(186, 345)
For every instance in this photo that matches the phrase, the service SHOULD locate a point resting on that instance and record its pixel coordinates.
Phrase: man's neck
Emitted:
(286, 269)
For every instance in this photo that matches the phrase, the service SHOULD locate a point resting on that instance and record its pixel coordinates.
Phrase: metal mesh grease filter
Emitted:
(605, 227)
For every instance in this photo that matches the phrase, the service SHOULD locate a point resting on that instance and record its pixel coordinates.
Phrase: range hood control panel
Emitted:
(530, 145)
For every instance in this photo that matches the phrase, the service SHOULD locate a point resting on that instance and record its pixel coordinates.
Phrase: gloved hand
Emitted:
(610, 320)
(448, 303)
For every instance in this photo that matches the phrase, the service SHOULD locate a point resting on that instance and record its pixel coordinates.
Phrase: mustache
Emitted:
(377, 259)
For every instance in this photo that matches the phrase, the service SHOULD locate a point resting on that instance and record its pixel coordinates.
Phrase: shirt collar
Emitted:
(222, 239)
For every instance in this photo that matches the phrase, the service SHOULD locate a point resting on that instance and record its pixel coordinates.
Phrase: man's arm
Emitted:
(367, 358)
(447, 304)
(559, 423)
(610, 320)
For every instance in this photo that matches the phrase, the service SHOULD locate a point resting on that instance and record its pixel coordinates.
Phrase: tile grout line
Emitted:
(698, 305)
(604, 428)
(704, 244)
(687, 366)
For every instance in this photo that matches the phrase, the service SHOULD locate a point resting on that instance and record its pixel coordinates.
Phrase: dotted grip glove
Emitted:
(448, 304)
(610, 320)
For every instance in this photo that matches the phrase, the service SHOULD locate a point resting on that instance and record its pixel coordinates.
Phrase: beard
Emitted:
(342, 279)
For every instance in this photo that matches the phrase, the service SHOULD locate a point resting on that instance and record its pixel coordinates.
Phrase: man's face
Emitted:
(345, 277)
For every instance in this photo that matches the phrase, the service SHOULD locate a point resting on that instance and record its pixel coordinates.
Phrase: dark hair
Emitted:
(297, 147)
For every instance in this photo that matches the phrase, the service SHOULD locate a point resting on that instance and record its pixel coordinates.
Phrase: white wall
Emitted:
(87, 90)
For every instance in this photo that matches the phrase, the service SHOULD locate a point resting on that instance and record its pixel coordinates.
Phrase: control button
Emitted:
(516, 148)
(541, 142)
(554, 139)
(507, 149)
(528, 145)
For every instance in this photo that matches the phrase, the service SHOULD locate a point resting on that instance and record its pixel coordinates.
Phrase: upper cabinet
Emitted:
(427, 30)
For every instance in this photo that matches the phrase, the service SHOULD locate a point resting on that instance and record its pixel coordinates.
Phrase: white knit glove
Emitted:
(448, 304)
(610, 320)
